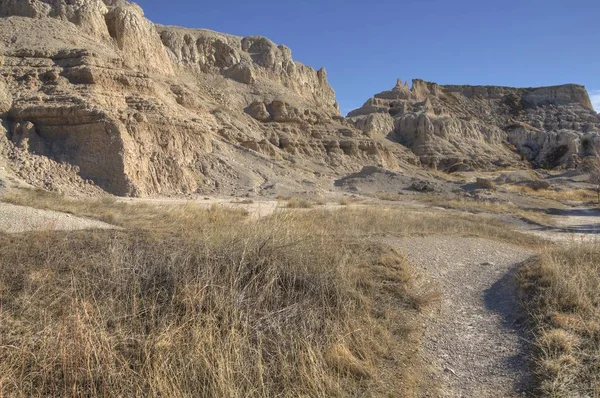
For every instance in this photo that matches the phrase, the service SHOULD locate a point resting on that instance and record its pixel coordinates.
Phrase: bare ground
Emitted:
(21, 219)
(575, 224)
(474, 342)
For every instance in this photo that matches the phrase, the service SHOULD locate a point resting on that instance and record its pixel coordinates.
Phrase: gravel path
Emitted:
(21, 219)
(474, 342)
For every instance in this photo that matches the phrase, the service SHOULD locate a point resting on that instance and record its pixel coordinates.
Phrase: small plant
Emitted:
(299, 203)
(484, 183)
(344, 201)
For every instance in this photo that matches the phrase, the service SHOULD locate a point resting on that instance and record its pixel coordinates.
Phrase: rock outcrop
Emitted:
(141, 109)
(449, 127)
(93, 94)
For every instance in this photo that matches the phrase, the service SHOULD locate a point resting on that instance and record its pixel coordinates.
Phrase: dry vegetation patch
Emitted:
(154, 217)
(570, 195)
(192, 302)
(299, 203)
(185, 301)
(561, 290)
(352, 222)
(486, 206)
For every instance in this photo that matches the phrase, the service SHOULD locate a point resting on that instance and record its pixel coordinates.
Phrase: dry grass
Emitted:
(349, 200)
(489, 207)
(192, 302)
(243, 201)
(371, 222)
(187, 301)
(561, 290)
(158, 218)
(352, 222)
(299, 203)
(390, 197)
(570, 195)
(302, 202)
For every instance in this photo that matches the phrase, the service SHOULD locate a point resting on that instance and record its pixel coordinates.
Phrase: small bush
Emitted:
(484, 183)
(299, 203)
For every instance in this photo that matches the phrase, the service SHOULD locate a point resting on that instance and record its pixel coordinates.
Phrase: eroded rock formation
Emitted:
(141, 109)
(93, 93)
(450, 127)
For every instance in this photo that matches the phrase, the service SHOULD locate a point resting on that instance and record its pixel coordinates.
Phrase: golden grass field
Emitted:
(181, 300)
(191, 302)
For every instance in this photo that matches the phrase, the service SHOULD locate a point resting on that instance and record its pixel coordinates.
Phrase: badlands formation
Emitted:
(461, 127)
(93, 95)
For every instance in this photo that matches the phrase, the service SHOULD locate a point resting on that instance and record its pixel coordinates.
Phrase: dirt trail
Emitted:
(474, 343)
(576, 224)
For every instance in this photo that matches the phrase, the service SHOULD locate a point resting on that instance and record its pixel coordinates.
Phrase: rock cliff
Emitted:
(457, 127)
(92, 94)
(141, 109)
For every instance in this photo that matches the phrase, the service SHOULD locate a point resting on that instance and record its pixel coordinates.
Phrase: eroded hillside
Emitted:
(460, 127)
(140, 109)
(92, 94)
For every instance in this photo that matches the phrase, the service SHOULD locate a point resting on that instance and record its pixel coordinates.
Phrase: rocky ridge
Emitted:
(142, 109)
(459, 127)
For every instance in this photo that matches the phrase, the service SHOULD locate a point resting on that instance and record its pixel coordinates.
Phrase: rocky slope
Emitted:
(141, 109)
(458, 127)
(92, 94)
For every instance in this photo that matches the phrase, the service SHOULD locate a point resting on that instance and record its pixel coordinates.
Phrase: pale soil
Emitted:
(473, 340)
(21, 219)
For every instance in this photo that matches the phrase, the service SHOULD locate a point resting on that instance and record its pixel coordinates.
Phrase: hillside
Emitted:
(93, 95)
(460, 127)
(140, 109)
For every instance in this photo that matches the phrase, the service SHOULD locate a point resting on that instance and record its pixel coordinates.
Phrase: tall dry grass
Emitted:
(562, 293)
(350, 222)
(463, 204)
(192, 302)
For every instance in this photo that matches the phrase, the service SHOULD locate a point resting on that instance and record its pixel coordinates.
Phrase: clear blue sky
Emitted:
(366, 45)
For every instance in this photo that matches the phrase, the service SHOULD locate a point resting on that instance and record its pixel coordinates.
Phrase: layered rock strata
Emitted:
(141, 109)
(457, 127)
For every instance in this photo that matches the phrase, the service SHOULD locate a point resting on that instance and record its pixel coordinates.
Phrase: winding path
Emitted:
(474, 343)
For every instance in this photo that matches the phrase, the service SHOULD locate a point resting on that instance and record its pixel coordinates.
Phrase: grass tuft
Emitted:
(561, 293)
(184, 301)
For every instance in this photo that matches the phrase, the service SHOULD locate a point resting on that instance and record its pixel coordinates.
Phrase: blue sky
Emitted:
(366, 45)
